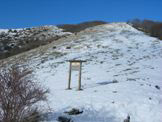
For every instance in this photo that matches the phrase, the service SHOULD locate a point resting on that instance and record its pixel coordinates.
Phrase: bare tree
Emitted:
(153, 28)
(19, 95)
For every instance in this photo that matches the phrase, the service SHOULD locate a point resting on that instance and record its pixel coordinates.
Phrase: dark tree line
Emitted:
(81, 26)
(153, 28)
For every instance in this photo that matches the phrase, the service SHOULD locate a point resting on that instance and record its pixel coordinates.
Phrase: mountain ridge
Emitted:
(14, 41)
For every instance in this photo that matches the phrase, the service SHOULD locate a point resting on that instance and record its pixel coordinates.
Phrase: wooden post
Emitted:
(80, 73)
(69, 77)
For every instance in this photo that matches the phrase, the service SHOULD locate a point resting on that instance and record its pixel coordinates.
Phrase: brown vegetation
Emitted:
(151, 27)
(19, 95)
(79, 27)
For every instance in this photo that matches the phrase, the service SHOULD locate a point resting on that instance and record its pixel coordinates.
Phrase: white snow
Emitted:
(114, 51)
(3, 30)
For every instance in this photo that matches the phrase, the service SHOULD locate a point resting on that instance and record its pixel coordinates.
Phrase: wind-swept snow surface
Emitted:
(122, 75)
(115, 52)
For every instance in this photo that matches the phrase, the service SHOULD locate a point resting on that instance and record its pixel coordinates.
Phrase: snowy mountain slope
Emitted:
(121, 76)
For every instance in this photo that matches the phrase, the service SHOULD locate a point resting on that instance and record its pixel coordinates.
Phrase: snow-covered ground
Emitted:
(114, 52)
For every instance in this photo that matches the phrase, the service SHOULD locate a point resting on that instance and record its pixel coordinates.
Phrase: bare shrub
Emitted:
(19, 95)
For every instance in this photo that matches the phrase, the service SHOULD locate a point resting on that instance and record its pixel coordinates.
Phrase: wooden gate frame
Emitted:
(80, 72)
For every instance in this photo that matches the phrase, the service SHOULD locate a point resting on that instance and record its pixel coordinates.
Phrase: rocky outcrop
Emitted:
(14, 41)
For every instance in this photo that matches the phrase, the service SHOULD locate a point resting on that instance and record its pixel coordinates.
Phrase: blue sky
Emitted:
(26, 13)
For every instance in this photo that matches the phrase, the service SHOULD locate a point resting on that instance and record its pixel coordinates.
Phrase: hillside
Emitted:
(15, 41)
(122, 75)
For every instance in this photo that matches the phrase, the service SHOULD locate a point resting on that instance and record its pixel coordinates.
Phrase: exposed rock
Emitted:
(27, 38)
(74, 111)
(68, 47)
(64, 119)
(101, 62)
(115, 81)
(54, 47)
(158, 87)
(127, 119)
